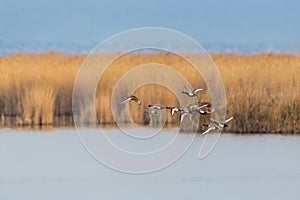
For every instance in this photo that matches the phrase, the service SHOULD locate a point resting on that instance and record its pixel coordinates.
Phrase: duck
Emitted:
(182, 110)
(153, 108)
(221, 124)
(177, 109)
(173, 110)
(216, 125)
(197, 107)
(208, 104)
(205, 112)
(190, 91)
(208, 108)
(131, 98)
(156, 106)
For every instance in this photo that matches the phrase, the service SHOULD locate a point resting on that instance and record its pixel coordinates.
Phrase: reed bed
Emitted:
(262, 90)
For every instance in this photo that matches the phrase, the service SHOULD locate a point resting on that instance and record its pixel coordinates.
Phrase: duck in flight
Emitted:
(190, 114)
(197, 108)
(208, 104)
(182, 110)
(131, 98)
(208, 108)
(156, 106)
(216, 125)
(153, 108)
(190, 91)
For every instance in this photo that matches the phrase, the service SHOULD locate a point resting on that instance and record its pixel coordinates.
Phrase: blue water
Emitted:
(237, 26)
(54, 165)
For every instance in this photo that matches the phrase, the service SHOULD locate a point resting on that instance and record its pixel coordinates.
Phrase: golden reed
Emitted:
(263, 90)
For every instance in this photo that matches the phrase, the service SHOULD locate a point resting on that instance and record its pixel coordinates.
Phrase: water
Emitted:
(54, 165)
(238, 26)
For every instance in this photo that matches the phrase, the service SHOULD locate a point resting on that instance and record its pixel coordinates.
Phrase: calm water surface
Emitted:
(54, 165)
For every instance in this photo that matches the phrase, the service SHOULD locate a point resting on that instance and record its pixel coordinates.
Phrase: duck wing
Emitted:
(197, 90)
(208, 130)
(126, 99)
(228, 120)
(188, 89)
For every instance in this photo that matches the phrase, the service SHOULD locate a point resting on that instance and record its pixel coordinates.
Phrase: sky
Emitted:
(76, 25)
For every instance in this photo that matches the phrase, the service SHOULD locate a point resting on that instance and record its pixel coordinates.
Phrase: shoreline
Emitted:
(52, 128)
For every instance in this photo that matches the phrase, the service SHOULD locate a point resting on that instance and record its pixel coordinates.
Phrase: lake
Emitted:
(55, 165)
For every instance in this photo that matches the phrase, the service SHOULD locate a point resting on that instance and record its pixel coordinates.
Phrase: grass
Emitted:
(263, 90)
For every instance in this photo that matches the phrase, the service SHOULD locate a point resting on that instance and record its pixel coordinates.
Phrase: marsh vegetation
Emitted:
(262, 90)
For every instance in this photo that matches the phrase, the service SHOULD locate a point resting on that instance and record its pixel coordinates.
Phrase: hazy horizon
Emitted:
(235, 26)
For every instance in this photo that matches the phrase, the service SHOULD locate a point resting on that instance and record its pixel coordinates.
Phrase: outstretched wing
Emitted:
(188, 89)
(126, 99)
(208, 130)
(182, 116)
(202, 106)
(173, 110)
(197, 90)
(228, 120)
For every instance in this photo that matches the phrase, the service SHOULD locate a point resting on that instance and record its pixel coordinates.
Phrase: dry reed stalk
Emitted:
(262, 90)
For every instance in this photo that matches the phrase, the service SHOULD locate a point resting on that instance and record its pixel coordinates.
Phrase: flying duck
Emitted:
(216, 125)
(190, 91)
(131, 98)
